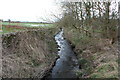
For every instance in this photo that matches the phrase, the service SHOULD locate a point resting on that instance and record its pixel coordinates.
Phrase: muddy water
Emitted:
(66, 64)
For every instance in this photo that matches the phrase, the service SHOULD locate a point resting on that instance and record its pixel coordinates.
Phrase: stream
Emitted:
(67, 63)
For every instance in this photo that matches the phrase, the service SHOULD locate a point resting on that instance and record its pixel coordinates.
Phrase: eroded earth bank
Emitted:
(28, 54)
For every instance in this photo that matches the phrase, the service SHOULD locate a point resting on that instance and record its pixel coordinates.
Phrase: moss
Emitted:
(118, 61)
(52, 46)
(83, 62)
(86, 67)
(79, 73)
(8, 39)
(35, 62)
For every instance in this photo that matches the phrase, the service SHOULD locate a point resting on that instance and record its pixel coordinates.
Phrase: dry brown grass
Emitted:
(27, 54)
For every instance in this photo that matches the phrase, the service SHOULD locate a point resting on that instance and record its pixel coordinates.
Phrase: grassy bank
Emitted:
(97, 57)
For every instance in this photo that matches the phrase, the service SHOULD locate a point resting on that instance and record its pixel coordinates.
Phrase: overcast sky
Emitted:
(27, 10)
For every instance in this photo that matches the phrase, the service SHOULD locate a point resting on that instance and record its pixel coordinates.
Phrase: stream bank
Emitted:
(97, 57)
(28, 54)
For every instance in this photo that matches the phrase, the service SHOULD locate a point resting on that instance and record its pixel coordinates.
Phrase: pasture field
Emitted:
(29, 24)
(8, 27)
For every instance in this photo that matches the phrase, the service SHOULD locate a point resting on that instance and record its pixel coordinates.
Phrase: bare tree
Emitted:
(86, 17)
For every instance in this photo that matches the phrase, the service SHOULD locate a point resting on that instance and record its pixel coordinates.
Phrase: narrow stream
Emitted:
(66, 64)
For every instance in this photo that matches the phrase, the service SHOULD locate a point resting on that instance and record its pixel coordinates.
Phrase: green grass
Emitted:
(36, 25)
(96, 75)
(8, 30)
(24, 25)
(105, 68)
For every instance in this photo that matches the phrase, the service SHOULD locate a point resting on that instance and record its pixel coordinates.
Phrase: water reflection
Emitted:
(67, 63)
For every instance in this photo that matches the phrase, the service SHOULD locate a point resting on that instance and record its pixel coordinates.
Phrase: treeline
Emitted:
(89, 17)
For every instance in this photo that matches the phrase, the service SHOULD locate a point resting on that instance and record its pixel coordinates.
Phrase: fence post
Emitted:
(0, 25)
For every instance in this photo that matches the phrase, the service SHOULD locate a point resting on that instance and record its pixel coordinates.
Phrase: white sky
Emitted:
(27, 10)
